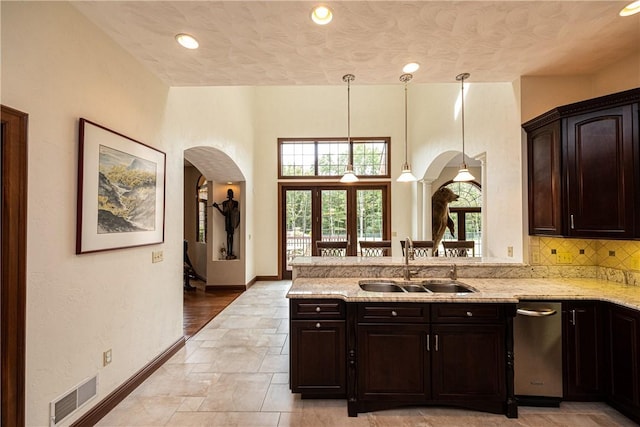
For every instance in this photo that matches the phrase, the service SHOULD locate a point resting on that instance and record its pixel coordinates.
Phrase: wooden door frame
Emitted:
(313, 186)
(14, 254)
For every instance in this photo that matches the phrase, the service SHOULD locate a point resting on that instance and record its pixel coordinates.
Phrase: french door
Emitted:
(331, 212)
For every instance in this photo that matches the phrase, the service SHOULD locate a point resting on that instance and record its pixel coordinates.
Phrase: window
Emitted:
(466, 213)
(328, 158)
(202, 197)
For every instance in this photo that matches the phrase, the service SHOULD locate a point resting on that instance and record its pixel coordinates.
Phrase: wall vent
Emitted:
(69, 402)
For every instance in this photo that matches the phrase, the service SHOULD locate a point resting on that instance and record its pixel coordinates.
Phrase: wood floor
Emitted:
(200, 306)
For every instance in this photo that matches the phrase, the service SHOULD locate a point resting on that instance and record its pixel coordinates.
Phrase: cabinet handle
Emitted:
(573, 317)
(393, 313)
(572, 225)
(428, 340)
(318, 325)
(469, 314)
(436, 342)
(317, 309)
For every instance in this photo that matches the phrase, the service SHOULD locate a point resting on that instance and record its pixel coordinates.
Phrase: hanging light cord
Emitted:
(405, 79)
(462, 78)
(349, 78)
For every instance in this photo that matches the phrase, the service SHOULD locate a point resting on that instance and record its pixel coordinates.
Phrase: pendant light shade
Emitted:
(349, 175)
(406, 175)
(463, 174)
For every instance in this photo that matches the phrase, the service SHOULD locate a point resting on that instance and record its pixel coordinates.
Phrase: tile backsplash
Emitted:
(617, 254)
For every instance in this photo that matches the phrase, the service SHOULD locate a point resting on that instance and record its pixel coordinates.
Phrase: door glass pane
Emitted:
(298, 224)
(473, 227)
(334, 215)
(369, 215)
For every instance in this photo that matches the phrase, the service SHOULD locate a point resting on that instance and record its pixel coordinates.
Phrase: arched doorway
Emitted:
(209, 174)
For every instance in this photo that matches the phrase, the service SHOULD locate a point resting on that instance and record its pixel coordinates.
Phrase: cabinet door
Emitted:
(544, 169)
(600, 173)
(623, 330)
(393, 362)
(468, 363)
(318, 358)
(583, 350)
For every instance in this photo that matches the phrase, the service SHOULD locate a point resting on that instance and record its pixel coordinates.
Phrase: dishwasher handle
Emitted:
(536, 312)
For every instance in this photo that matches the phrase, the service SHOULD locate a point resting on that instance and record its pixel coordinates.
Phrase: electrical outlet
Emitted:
(510, 251)
(106, 357)
(564, 258)
(635, 263)
(157, 256)
(535, 258)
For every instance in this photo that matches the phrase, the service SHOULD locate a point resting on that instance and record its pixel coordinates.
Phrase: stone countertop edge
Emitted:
(489, 290)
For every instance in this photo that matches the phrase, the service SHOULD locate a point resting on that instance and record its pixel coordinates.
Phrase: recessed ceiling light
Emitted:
(631, 9)
(187, 41)
(321, 15)
(411, 67)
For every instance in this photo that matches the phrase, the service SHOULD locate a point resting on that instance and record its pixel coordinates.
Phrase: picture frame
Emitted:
(121, 191)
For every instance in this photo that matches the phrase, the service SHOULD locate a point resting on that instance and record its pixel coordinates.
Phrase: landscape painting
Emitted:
(126, 192)
(121, 190)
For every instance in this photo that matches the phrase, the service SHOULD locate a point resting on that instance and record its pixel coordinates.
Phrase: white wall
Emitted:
(321, 111)
(492, 130)
(57, 68)
(543, 93)
(220, 118)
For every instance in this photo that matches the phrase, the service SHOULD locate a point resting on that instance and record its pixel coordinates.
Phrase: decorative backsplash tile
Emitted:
(617, 254)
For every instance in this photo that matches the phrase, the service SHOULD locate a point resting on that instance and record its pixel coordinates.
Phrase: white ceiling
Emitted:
(275, 42)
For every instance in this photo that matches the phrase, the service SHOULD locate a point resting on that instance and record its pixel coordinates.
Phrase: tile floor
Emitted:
(234, 372)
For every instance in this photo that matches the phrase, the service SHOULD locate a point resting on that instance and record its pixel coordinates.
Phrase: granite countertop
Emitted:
(358, 261)
(489, 290)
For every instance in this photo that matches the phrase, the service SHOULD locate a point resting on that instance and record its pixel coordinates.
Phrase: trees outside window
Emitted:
(466, 213)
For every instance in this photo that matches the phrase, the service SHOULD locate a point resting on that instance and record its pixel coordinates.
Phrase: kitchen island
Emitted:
(388, 349)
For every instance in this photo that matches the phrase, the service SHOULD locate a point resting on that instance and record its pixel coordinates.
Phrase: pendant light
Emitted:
(463, 174)
(349, 175)
(406, 175)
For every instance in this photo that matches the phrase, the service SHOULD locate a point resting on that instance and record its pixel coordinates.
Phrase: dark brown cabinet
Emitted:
(584, 168)
(444, 354)
(393, 362)
(318, 348)
(601, 172)
(623, 354)
(544, 165)
(584, 362)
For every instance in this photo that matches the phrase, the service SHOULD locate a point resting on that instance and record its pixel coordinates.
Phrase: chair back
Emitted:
(421, 248)
(375, 247)
(331, 248)
(459, 248)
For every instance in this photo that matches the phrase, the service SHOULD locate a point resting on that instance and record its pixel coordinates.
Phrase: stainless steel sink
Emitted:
(429, 286)
(380, 286)
(446, 286)
(414, 287)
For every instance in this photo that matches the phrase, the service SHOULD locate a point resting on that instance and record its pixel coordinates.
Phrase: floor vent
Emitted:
(68, 403)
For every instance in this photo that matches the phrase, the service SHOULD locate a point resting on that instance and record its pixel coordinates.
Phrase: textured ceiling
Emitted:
(275, 42)
(213, 164)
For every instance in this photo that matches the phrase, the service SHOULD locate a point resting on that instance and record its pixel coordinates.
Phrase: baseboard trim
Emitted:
(103, 407)
(265, 279)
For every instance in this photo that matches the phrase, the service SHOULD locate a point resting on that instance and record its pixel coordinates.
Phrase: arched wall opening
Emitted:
(222, 174)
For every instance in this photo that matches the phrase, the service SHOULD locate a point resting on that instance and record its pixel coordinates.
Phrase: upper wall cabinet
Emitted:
(584, 169)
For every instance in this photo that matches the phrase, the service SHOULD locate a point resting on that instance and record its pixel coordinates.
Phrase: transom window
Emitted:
(324, 157)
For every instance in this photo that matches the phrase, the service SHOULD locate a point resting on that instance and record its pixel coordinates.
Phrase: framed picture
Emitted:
(121, 191)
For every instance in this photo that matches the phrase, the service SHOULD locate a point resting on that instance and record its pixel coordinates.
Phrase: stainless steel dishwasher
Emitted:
(537, 335)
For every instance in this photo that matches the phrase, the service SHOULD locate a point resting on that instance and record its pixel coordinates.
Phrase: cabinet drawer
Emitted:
(317, 309)
(402, 313)
(467, 313)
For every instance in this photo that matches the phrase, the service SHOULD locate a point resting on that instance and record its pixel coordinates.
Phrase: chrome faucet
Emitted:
(408, 254)
(453, 273)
